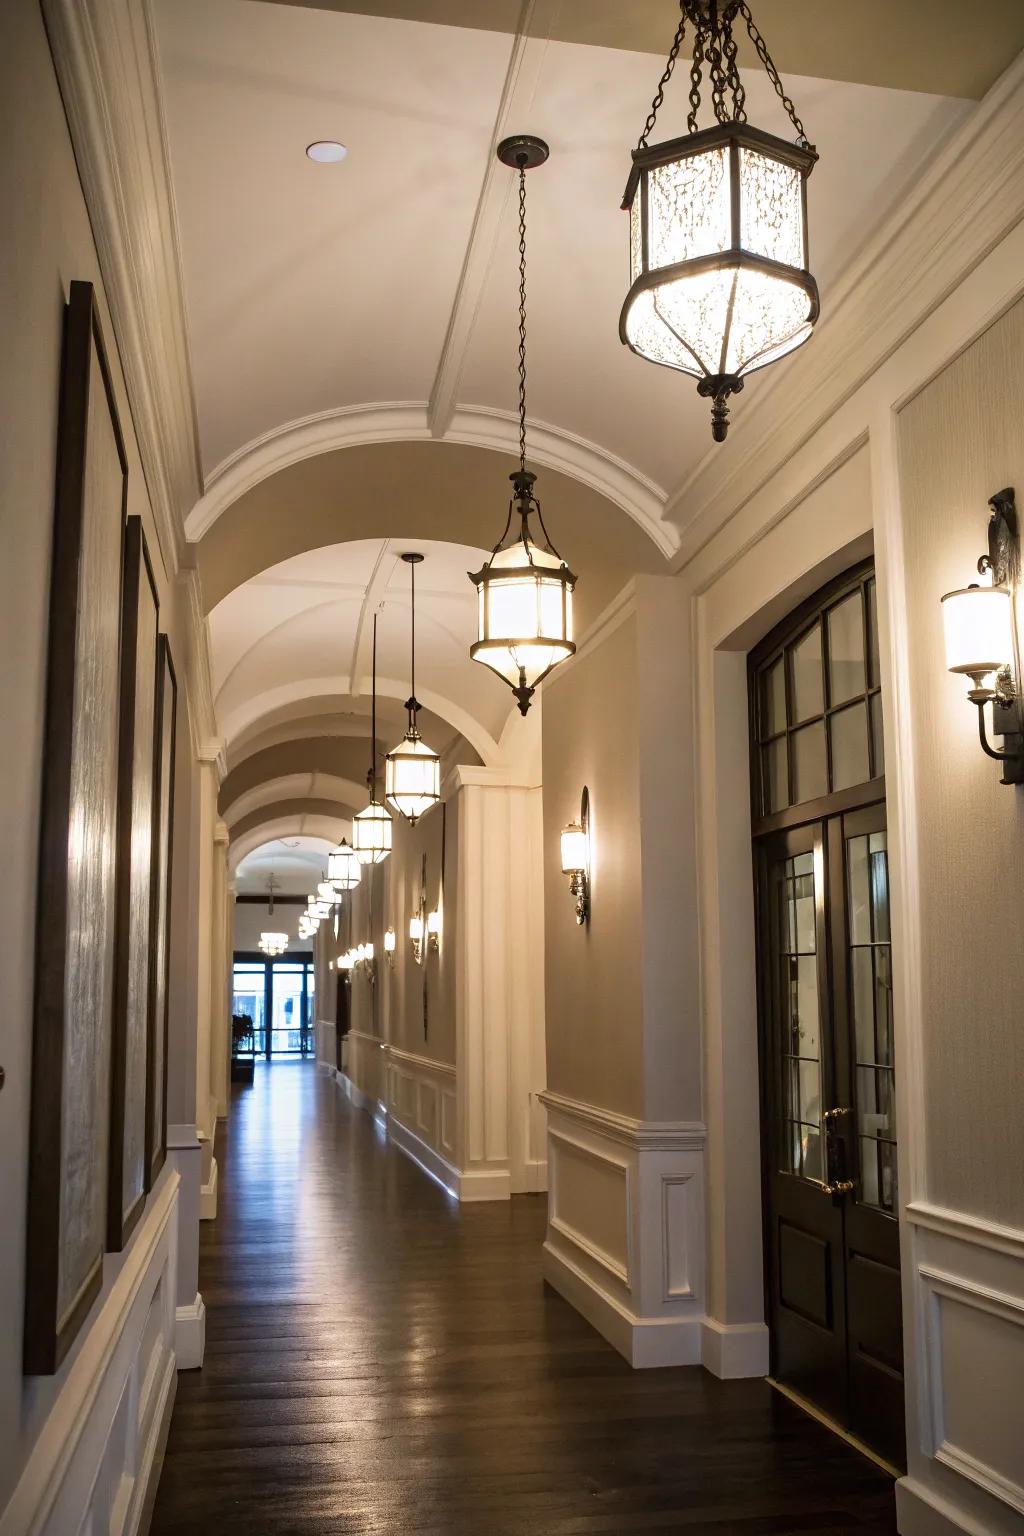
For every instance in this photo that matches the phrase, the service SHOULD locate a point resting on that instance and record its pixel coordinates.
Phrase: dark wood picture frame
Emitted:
(76, 893)
(166, 716)
(136, 821)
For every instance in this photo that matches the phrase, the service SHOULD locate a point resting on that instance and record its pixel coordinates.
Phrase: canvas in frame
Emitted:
(163, 835)
(76, 918)
(133, 953)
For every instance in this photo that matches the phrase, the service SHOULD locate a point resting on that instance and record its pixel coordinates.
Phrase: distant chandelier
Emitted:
(371, 828)
(412, 772)
(718, 226)
(271, 942)
(524, 589)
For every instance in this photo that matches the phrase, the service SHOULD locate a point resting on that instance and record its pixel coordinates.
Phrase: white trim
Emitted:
(647, 1134)
(190, 1334)
(198, 677)
(731, 1350)
(355, 1095)
(398, 421)
(921, 1511)
(74, 1432)
(976, 1230)
(425, 1157)
(422, 1063)
(208, 1195)
(644, 1342)
(105, 59)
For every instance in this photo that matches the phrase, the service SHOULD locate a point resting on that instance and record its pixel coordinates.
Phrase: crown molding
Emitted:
(407, 421)
(966, 200)
(104, 54)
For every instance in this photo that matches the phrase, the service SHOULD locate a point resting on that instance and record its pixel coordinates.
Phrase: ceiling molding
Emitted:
(105, 59)
(245, 716)
(315, 785)
(405, 421)
(331, 828)
(514, 108)
(959, 208)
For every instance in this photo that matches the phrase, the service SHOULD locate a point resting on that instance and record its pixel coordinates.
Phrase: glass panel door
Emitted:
(249, 1000)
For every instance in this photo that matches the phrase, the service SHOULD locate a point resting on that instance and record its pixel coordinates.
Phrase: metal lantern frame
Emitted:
(523, 502)
(521, 153)
(714, 45)
(412, 747)
(344, 870)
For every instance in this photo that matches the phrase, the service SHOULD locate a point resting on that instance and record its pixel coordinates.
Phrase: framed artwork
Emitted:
(76, 893)
(163, 837)
(133, 951)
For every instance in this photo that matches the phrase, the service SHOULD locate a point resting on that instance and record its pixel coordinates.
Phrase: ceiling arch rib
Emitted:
(313, 825)
(336, 716)
(319, 787)
(308, 689)
(625, 486)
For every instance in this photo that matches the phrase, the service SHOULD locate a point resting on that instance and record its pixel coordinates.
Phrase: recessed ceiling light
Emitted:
(326, 151)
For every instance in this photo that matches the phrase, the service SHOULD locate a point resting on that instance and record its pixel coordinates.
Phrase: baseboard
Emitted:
(426, 1157)
(208, 1195)
(190, 1335)
(922, 1512)
(731, 1350)
(483, 1184)
(356, 1096)
(535, 1176)
(644, 1341)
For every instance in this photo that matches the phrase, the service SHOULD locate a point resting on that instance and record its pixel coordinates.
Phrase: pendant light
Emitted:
(525, 589)
(412, 772)
(271, 942)
(371, 828)
(344, 872)
(718, 226)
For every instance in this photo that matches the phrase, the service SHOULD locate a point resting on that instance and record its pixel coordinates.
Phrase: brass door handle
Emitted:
(839, 1187)
(835, 1114)
(835, 1156)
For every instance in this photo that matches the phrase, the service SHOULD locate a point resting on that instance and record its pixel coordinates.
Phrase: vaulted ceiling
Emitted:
(352, 325)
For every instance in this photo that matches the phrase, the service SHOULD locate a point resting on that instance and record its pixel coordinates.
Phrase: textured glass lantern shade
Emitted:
(524, 613)
(412, 777)
(343, 868)
(718, 253)
(978, 625)
(325, 891)
(371, 833)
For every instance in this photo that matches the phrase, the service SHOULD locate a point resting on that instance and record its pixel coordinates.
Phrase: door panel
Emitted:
(806, 1281)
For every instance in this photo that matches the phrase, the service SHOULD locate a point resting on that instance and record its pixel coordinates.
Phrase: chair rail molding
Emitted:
(625, 1240)
(968, 199)
(104, 52)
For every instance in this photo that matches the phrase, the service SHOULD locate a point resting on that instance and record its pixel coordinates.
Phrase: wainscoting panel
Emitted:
(969, 1277)
(90, 1471)
(625, 1240)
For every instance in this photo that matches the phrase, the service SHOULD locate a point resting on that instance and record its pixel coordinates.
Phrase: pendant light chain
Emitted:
(715, 45)
(412, 701)
(522, 316)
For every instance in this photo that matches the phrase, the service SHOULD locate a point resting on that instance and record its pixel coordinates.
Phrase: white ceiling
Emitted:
(303, 629)
(296, 863)
(311, 288)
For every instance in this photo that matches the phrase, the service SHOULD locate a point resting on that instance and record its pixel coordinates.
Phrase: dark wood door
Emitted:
(830, 1153)
(826, 1018)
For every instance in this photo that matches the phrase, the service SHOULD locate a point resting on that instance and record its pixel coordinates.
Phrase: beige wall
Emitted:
(47, 243)
(960, 441)
(593, 996)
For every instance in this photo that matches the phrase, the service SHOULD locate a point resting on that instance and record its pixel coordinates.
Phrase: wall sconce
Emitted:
(434, 930)
(390, 941)
(576, 858)
(982, 639)
(416, 926)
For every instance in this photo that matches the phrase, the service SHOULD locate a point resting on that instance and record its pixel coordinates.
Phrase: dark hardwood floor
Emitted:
(379, 1359)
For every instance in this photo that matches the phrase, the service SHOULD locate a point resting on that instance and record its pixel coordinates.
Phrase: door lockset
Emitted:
(836, 1182)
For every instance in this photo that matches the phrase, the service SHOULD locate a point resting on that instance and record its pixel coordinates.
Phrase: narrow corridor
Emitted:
(379, 1359)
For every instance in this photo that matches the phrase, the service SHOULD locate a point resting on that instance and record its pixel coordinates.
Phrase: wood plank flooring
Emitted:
(380, 1360)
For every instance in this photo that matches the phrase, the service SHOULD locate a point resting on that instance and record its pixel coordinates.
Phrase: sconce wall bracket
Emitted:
(1003, 561)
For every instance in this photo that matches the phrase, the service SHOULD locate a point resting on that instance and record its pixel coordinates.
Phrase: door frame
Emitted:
(299, 957)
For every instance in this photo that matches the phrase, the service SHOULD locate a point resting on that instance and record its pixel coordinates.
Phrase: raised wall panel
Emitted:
(589, 1202)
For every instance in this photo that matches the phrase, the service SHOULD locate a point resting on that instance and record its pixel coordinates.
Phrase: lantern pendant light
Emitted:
(371, 828)
(525, 589)
(718, 226)
(344, 872)
(271, 942)
(412, 772)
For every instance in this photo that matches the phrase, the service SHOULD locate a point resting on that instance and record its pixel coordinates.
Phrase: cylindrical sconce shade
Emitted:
(416, 929)
(978, 624)
(574, 849)
(389, 941)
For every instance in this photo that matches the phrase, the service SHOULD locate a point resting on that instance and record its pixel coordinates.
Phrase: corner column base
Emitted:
(190, 1335)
